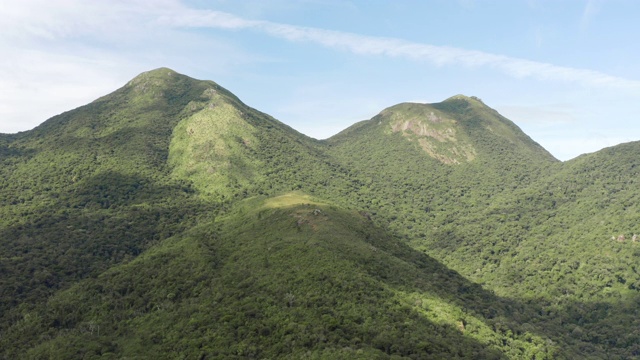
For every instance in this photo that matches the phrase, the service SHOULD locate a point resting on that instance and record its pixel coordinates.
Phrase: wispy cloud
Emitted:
(120, 20)
(392, 47)
(55, 57)
(58, 55)
(590, 10)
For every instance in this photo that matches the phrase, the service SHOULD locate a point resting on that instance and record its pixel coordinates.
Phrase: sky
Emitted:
(567, 72)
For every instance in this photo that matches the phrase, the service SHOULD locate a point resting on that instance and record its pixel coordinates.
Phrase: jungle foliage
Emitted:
(170, 220)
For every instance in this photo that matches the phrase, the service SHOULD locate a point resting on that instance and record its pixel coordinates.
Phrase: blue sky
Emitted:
(566, 72)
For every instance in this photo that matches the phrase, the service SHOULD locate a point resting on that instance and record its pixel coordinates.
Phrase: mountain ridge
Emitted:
(442, 134)
(168, 217)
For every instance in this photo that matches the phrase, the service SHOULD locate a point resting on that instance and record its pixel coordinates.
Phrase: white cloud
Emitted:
(49, 20)
(36, 85)
(61, 54)
(58, 55)
(47, 65)
(369, 45)
(590, 10)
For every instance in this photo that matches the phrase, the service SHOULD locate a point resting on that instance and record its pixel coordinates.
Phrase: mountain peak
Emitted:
(158, 77)
(460, 102)
(157, 73)
(458, 97)
(455, 131)
(430, 231)
(463, 97)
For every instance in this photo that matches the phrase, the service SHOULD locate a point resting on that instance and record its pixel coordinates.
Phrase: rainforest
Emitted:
(170, 220)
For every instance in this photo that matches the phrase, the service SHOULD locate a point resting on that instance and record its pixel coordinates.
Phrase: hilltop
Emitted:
(454, 131)
(282, 277)
(170, 219)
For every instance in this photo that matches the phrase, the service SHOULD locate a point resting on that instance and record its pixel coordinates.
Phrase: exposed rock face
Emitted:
(436, 133)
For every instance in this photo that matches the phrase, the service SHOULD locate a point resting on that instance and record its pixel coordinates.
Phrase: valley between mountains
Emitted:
(170, 220)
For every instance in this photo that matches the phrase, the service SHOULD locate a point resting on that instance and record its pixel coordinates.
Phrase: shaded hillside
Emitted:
(284, 277)
(554, 235)
(571, 238)
(417, 191)
(98, 185)
(152, 221)
(89, 189)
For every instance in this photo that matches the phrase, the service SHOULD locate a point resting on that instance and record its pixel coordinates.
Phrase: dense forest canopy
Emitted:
(170, 220)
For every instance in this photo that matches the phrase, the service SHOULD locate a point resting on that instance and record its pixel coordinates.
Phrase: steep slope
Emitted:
(422, 165)
(284, 277)
(152, 222)
(587, 206)
(556, 236)
(98, 185)
(89, 188)
(228, 149)
(455, 131)
(570, 242)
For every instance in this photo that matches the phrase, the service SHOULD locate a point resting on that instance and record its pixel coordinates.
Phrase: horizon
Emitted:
(338, 63)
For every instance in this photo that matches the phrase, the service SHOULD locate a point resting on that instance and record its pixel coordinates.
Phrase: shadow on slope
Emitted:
(283, 278)
(49, 244)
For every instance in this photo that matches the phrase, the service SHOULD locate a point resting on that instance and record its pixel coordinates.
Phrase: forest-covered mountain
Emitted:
(170, 220)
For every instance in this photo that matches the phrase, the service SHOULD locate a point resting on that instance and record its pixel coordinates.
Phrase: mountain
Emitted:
(279, 277)
(560, 237)
(429, 165)
(169, 219)
(89, 188)
(457, 130)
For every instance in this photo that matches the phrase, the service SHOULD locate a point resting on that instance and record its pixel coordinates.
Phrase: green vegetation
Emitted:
(170, 220)
(546, 234)
(283, 277)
